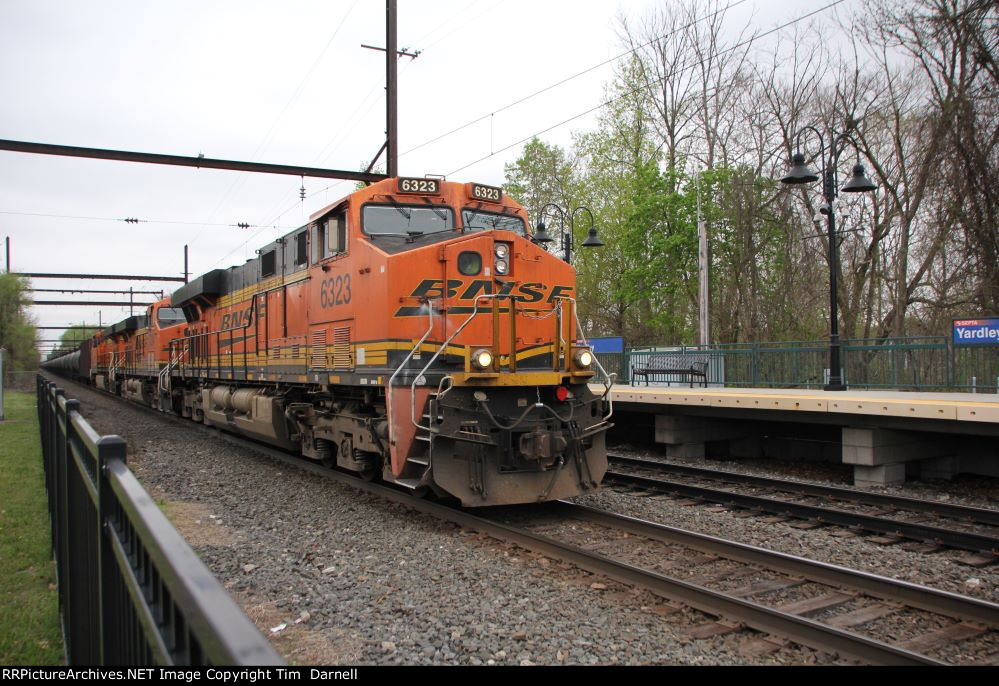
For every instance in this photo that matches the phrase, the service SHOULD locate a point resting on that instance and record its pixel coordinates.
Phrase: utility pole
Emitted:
(702, 270)
(392, 55)
(392, 95)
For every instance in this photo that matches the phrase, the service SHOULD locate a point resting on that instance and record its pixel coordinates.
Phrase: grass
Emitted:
(29, 605)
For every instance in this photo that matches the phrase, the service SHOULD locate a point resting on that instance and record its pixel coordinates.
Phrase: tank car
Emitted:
(74, 364)
(411, 331)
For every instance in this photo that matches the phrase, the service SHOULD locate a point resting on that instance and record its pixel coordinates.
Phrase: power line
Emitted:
(273, 127)
(563, 81)
(570, 78)
(505, 107)
(441, 25)
(357, 115)
(135, 220)
(640, 89)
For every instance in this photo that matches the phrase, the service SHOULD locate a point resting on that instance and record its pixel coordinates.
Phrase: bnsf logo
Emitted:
(469, 290)
(236, 319)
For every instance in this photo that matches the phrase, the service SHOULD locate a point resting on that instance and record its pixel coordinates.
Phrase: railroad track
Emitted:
(985, 542)
(830, 615)
(864, 597)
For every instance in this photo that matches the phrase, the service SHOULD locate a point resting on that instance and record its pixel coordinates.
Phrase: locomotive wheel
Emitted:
(326, 450)
(370, 461)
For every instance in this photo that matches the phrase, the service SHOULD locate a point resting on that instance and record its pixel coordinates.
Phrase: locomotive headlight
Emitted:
(502, 263)
(483, 359)
(583, 359)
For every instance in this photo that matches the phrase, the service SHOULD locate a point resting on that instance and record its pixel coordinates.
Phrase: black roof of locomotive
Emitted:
(125, 325)
(223, 281)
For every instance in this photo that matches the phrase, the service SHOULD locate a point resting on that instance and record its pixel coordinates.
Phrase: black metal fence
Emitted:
(131, 591)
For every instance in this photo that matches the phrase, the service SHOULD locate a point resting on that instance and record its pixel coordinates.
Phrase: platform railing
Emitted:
(131, 591)
(930, 363)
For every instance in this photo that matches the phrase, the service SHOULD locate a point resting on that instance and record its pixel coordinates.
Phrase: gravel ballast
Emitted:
(354, 579)
(942, 570)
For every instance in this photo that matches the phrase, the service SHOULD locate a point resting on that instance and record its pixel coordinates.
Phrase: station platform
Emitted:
(884, 434)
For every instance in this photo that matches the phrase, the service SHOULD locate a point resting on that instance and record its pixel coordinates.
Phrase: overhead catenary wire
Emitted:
(273, 127)
(635, 91)
(590, 110)
(135, 220)
(567, 79)
(530, 96)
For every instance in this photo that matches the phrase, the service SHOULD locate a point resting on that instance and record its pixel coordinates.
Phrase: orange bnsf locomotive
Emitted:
(411, 331)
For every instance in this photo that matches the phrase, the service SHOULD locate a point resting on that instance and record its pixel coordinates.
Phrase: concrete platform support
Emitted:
(879, 455)
(685, 437)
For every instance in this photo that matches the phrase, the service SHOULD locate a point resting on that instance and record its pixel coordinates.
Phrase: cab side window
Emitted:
(169, 316)
(300, 251)
(330, 237)
(268, 263)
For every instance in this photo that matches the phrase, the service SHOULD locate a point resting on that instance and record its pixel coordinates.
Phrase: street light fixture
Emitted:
(541, 234)
(800, 173)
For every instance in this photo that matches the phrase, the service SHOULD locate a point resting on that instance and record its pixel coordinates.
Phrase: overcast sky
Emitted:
(283, 82)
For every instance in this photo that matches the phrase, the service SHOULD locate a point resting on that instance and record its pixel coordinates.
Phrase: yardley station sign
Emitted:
(976, 331)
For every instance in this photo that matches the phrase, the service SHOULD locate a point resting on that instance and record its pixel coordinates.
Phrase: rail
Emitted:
(131, 591)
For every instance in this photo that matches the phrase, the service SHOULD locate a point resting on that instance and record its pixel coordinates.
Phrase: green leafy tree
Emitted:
(17, 331)
(71, 338)
(542, 174)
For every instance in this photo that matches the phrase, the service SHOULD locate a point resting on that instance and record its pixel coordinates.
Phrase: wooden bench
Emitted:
(671, 364)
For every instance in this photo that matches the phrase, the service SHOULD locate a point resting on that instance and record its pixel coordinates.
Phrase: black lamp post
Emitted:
(541, 235)
(858, 183)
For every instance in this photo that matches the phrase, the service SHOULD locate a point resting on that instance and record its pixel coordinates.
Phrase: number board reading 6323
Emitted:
(420, 186)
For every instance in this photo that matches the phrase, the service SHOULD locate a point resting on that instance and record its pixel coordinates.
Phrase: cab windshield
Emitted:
(476, 220)
(410, 221)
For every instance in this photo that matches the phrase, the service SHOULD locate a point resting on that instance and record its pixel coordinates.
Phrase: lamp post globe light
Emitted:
(799, 174)
(542, 236)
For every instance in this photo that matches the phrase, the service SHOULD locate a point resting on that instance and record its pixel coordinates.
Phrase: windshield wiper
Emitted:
(403, 211)
(393, 235)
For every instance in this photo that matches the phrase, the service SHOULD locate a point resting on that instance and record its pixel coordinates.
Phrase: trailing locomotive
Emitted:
(411, 331)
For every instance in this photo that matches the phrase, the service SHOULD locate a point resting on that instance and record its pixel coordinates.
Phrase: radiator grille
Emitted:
(341, 348)
(318, 359)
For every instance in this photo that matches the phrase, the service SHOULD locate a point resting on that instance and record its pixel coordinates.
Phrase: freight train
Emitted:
(412, 331)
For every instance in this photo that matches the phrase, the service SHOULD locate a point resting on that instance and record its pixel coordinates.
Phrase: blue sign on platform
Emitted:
(608, 344)
(976, 331)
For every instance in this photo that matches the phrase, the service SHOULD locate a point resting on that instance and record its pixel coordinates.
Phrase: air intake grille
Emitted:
(341, 349)
(318, 360)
